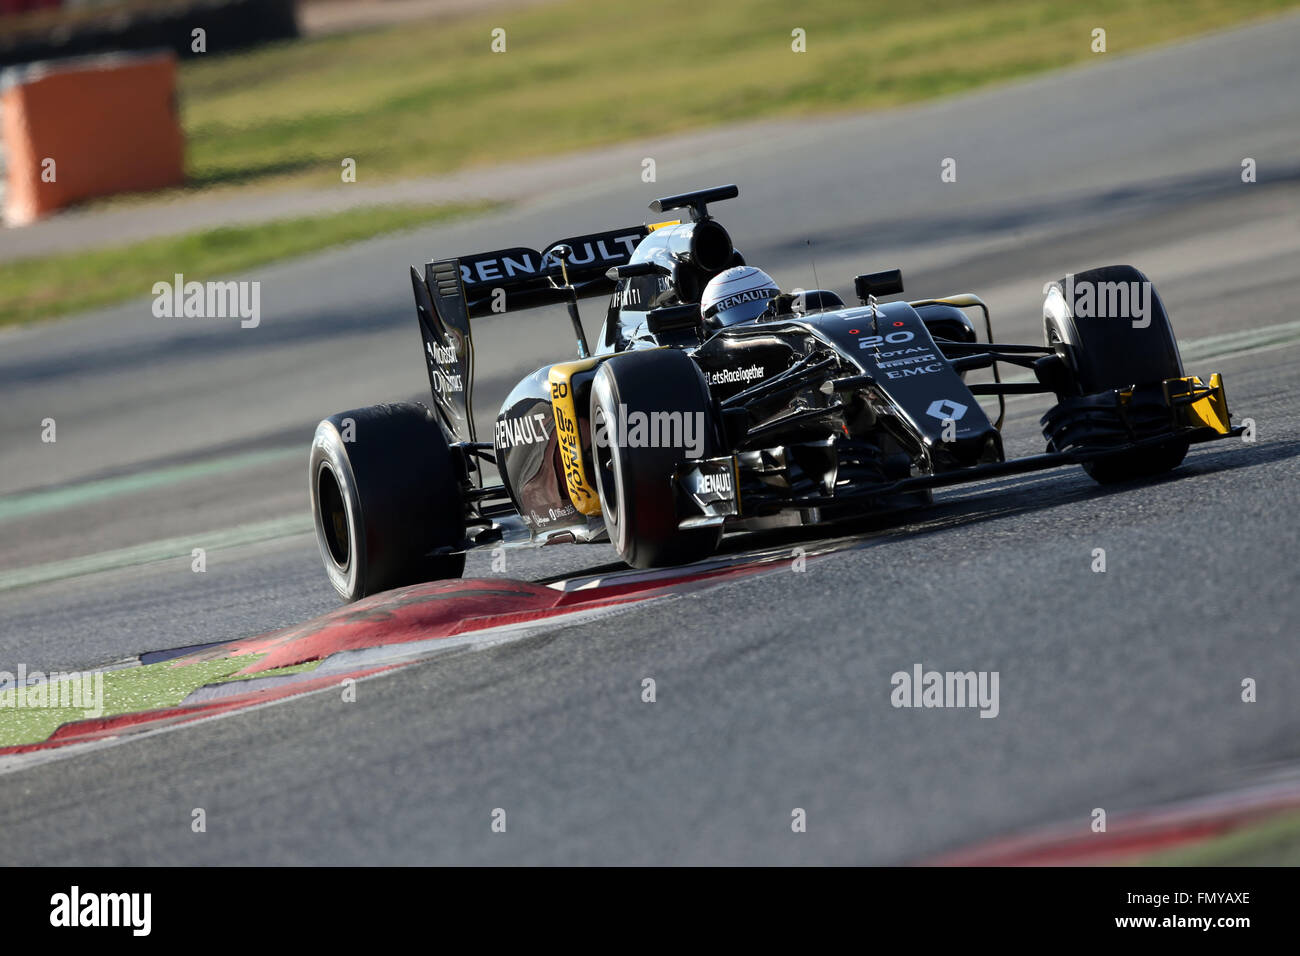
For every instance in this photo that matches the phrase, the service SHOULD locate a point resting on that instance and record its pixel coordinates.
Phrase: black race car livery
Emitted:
(669, 432)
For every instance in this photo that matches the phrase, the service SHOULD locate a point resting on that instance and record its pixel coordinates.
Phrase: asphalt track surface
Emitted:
(1117, 690)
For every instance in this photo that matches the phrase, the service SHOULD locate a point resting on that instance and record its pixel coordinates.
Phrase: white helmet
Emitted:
(738, 294)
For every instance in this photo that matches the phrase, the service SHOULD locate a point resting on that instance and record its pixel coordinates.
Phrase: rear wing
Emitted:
(526, 278)
(452, 291)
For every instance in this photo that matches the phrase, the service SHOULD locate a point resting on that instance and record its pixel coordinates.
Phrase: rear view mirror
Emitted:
(631, 270)
(878, 283)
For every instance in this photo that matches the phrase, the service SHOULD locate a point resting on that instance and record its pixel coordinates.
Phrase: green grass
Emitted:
(1272, 842)
(127, 691)
(425, 98)
(48, 286)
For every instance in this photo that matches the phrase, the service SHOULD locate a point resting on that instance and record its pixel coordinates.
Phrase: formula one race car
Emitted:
(715, 402)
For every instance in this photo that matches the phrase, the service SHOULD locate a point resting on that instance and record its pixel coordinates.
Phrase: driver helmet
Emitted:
(738, 294)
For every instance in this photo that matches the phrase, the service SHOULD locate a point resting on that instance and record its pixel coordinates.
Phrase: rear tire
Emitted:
(384, 499)
(1108, 352)
(637, 497)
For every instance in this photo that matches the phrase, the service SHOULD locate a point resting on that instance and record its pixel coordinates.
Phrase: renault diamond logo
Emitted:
(946, 409)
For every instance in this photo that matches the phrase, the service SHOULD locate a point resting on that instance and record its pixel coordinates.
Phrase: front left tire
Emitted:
(638, 500)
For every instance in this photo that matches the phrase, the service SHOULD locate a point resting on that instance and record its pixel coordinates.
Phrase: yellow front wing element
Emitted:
(1209, 410)
(582, 490)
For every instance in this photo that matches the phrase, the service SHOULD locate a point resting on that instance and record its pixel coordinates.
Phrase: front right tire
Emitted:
(1108, 352)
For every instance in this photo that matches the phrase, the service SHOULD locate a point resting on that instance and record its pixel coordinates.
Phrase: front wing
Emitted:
(1079, 430)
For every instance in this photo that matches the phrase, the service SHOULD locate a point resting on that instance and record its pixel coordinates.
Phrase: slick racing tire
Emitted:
(385, 496)
(637, 497)
(1108, 352)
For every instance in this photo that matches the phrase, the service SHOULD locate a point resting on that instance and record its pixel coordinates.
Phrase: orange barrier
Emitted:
(77, 129)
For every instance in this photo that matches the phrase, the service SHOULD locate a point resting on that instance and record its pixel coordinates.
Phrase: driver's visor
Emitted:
(743, 307)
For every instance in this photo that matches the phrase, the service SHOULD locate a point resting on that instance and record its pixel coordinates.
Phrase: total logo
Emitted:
(945, 409)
